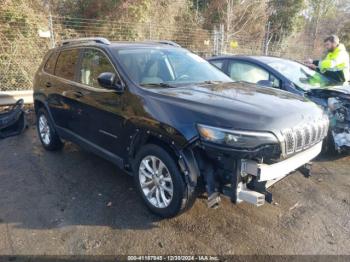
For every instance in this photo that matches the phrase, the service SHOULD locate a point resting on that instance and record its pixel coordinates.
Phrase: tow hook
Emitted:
(214, 200)
(306, 170)
(261, 188)
(268, 196)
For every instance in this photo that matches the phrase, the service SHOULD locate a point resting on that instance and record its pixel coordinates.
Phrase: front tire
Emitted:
(160, 182)
(46, 131)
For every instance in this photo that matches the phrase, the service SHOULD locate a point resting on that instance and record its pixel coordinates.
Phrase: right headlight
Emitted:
(235, 138)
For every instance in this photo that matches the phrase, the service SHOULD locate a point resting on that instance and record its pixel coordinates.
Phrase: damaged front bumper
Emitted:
(265, 172)
(265, 175)
(257, 178)
(246, 174)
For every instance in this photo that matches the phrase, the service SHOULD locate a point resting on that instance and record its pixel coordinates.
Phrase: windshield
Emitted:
(155, 66)
(300, 75)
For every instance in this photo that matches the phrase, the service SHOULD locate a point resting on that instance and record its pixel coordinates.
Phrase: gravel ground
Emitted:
(75, 203)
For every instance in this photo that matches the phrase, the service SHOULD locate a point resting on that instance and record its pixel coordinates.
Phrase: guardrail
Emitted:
(10, 97)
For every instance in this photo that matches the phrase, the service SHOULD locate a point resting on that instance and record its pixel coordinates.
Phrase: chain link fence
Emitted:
(24, 42)
(21, 51)
(197, 40)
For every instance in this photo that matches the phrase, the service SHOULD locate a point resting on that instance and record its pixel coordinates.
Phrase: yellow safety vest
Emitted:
(337, 60)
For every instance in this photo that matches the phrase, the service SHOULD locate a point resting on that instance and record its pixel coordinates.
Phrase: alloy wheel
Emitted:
(44, 130)
(156, 182)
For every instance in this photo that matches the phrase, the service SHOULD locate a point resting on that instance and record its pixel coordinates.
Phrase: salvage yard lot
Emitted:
(73, 202)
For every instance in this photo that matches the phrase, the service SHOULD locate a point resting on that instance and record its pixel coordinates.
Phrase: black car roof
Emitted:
(118, 45)
(126, 45)
(264, 59)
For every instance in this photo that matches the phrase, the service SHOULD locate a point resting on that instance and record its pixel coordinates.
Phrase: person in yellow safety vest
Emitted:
(335, 63)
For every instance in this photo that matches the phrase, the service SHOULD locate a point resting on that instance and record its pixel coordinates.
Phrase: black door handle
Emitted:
(48, 84)
(78, 94)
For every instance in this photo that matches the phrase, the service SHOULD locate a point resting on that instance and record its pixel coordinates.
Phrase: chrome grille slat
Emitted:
(313, 134)
(307, 137)
(303, 137)
(299, 135)
(319, 132)
(290, 141)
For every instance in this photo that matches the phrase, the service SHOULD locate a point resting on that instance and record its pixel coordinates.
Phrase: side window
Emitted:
(218, 63)
(242, 71)
(275, 81)
(50, 63)
(66, 64)
(94, 63)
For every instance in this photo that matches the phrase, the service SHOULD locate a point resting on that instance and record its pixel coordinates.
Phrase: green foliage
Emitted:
(140, 10)
(296, 26)
(285, 18)
(345, 35)
(20, 48)
(322, 8)
(89, 9)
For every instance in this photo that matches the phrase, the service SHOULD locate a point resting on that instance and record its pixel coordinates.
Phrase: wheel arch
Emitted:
(182, 153)
(40, 102)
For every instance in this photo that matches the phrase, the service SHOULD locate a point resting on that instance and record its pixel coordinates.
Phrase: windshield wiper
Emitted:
(211, 82)
(158, 85)
(305, 73)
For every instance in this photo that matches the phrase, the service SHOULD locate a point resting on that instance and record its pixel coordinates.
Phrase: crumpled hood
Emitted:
(331, 91)
(232, 105)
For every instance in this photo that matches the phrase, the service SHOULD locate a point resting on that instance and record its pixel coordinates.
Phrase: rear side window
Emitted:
(66, 64)
(50, 63)
(218, 63)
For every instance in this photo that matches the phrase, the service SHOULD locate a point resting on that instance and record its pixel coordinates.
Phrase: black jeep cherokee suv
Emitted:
(173, 121)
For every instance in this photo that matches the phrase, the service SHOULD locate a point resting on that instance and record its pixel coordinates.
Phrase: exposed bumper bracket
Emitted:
(306, 170)
(265, 172)
(255, 192)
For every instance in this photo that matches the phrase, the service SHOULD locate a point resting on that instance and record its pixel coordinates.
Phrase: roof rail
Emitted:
(164, 42)
(99, 40)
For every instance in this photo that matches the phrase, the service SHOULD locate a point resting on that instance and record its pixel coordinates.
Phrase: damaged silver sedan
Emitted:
(336, 101)
(296, 78)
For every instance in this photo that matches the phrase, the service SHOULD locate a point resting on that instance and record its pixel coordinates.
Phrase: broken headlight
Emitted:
(334, 103)
(235, 138)
(337, 108)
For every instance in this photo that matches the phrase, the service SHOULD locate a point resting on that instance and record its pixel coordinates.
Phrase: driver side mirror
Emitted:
(265, 83)
(108, 80)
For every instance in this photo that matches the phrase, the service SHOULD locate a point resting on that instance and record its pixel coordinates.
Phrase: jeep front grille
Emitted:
(302, 137)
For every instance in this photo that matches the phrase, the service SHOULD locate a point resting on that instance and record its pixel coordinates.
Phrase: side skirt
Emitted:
(89, 146)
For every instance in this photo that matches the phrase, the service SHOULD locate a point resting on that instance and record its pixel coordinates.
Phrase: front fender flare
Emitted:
(184, 154)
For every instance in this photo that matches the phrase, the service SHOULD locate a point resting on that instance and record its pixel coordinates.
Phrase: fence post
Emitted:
(266, 40)
(215, 42)
(150, 30)
(52, 36)
(222, 39)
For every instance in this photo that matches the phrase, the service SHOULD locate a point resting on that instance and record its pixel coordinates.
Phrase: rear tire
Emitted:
(160, 182)
(46, 131)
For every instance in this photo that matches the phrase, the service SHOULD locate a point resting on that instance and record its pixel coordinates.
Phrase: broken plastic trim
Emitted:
(12, 121)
